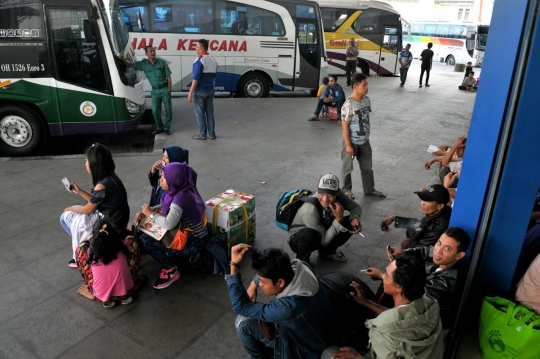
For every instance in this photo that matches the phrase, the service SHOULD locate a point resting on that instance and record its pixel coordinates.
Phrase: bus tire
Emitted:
(22, 132)
(254, 85)
(364, 67)
(450, 60)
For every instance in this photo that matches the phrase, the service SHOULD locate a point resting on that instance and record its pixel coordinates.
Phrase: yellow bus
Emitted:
(375, 25)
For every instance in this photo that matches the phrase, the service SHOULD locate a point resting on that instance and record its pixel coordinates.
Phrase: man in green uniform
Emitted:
(159, 75)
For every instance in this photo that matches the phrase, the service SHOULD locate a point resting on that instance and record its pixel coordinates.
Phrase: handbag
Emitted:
(507, 330)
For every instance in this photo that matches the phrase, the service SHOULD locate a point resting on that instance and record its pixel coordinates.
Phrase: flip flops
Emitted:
(375, 193)
(314, 118)
(198, 137)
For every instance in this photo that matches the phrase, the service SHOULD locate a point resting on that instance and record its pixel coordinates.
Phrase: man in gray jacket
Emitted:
(319, 224)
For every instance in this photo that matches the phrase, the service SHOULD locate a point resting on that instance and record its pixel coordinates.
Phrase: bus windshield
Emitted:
(116, 27)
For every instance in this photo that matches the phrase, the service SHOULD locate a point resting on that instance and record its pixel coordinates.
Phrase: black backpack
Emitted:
(288, 204)
(347, 323)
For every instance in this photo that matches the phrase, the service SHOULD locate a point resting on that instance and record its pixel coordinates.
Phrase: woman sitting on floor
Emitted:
(171, 154)
(109, 266)
(181, 208)
(108, 199)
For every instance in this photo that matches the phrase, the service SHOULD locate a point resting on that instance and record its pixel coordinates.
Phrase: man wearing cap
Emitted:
(319, 224)
(427, 230)
(159, 75)
(350, 65)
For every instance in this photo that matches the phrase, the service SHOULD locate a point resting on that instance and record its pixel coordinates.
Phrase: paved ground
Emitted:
(264, 147)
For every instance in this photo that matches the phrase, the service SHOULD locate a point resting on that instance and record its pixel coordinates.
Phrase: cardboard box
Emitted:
(232, 212)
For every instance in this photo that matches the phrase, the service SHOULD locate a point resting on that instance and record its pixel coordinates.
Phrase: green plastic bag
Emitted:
(508, 330)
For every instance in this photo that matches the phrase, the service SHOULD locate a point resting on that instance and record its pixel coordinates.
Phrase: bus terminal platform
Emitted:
(264, 147)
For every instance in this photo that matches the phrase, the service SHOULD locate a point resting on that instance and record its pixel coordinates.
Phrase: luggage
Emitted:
(288, 204)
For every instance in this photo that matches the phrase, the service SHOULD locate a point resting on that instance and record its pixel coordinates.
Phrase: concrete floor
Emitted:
(264, 147)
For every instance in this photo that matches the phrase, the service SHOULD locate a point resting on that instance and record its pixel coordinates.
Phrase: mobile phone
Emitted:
(66, 183)
(390, 252)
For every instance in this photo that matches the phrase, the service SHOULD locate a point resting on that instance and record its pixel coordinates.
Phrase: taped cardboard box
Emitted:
(232, 212)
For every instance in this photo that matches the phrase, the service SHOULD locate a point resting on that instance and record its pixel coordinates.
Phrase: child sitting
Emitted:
(320, 95)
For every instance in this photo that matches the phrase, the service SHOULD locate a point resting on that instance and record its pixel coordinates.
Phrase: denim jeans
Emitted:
(252, 337)
(65, 224)
(203, 102)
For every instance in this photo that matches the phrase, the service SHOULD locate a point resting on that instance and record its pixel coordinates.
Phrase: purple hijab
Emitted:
(182, 181)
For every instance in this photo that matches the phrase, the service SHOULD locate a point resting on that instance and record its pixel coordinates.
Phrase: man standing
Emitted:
(356, 128)
(405, 59)
(320, 224)
(411, 329)
(295, 322)
(334, 96)
(159, 75)
(350, 67)
(427, 62)
(201, 93)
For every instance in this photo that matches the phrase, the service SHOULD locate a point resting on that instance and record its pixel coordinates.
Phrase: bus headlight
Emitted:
(132, 107)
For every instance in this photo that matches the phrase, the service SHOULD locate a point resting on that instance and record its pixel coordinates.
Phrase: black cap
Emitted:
(434, 193)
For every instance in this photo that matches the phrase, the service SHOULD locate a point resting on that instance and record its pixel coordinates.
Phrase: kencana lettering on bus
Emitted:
(187, 44)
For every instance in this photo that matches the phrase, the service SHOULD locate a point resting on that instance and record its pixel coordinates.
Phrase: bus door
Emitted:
(309, 44)
(388, 54)
(80, 73)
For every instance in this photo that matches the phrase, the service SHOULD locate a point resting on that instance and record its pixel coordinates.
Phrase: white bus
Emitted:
(259, 45)
(375, 25)
(59, 72)
(453, 43)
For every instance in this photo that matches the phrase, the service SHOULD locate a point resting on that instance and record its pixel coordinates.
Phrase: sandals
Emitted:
(109, 304)
(375, 193)
(127, 301)
(198, 137)
(314, 118)
(212, 137)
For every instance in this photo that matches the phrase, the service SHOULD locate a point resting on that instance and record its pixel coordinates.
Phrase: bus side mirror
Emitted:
(88, 32)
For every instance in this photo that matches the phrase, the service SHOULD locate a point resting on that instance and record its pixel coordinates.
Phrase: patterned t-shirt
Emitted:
(356, 113)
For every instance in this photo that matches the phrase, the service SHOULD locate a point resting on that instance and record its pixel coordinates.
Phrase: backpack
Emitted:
(349, 317)
(288, 204)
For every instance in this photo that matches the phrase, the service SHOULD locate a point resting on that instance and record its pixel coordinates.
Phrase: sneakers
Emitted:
(166, 278)
(337, 256)
(72, 263)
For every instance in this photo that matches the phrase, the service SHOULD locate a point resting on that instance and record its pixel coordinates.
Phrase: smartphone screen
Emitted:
(66, 183)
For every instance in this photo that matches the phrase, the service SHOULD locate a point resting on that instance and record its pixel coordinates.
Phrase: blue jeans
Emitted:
(203, 102)
(65, 225)
(252, 337)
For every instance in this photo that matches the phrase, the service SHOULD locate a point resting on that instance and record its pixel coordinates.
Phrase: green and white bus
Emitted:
(60, 75)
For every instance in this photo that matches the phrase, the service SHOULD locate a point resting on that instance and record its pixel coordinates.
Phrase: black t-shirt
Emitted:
(426, 56)
(112, 203)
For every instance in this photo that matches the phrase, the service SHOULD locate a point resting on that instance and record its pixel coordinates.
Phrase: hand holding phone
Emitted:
(390, 253)
(66, 183)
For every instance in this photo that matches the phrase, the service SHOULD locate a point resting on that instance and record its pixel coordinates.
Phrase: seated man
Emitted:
(171, 154)
(469, 83)
(301, 310)
(412, 329)
(444, 269)
(319, 224)
(528, 290)
(334, 96)
(451, 161)
(425, 231)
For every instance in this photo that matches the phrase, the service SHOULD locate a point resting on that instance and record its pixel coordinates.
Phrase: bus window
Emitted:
(430, 30)
(183, 16)
(333, 18)
(77, 61)
(239, 19)
(442, 30)
(135, 18)
(305, 12)
(457, 32)
(22, 22)
(418, 30)
(369, 22)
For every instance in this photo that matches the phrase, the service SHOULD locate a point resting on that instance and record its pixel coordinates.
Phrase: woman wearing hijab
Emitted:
(180, 204)
(171, 154)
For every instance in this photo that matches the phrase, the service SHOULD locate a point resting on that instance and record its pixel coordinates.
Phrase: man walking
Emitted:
(356, 128)
(159, 75)
(201, 93)
(427, 62)
(405, 59)
(350, 67)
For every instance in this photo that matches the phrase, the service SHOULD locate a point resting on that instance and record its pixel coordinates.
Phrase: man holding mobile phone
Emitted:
(320, 223)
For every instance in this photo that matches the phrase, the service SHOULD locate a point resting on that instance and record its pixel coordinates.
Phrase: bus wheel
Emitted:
(254, 86)
(364, 68)
(450, 60)
(21, 130)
